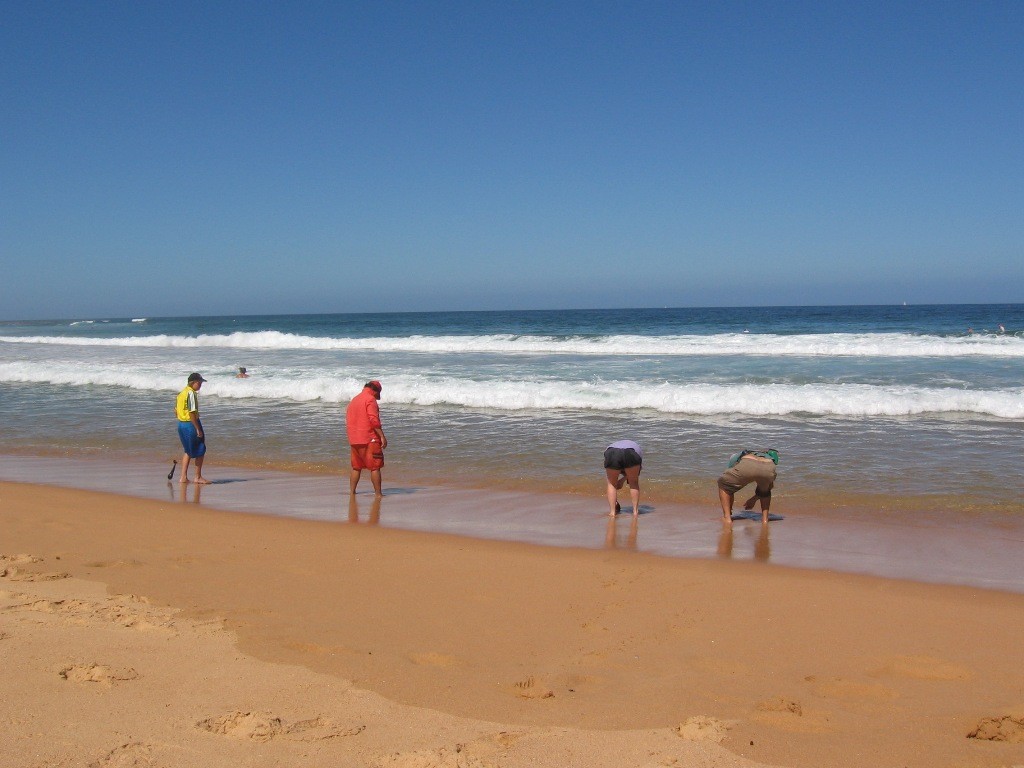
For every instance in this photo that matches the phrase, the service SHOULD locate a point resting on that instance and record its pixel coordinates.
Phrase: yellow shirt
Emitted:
(187, 404)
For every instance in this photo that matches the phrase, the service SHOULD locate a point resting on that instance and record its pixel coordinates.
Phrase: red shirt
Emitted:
(362, 417)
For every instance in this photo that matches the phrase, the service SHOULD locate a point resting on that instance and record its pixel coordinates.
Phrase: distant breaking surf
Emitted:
(737, 344)
(524, 395)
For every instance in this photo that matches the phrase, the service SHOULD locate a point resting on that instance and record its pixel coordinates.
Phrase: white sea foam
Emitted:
(701, 399)
(741, 344)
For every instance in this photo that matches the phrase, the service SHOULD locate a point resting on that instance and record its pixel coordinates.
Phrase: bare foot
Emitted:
(182, 479)
(202, 481)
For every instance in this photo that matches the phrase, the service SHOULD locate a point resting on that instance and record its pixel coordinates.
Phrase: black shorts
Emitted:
(621, 458)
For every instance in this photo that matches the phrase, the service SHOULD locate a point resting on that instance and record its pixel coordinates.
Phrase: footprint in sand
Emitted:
(577, 680)
(484, 752)
(530, 688)
(97, 673)
(432, 758)
(129, 611)
(19, 559)
(1008, 728)
(781, 704)
(263, 727)
(841, 688)
(434, 659)
(923, 668)
(15, 573)
(113, 564)
(702, 728)
(789, 715)
(135, 755)
(12, 568)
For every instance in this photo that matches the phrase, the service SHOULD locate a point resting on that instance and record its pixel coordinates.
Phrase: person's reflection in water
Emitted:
(353, 510)
(197, 492)
(725, 541)
(762, 547)
(610, 538)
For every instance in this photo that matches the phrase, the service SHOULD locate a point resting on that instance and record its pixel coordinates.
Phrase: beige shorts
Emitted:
(747, 471)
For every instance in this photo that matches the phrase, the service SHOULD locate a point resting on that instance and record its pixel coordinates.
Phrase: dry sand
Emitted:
(142, 633)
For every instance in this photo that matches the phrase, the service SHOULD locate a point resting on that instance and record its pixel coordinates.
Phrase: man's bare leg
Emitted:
(633, 478)
(375, 479)
(184, 468)
(726, 499)
(766, 502)
(615, 480)
(353, 480)
(199, 472)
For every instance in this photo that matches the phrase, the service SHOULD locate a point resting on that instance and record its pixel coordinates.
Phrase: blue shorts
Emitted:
(194, 445)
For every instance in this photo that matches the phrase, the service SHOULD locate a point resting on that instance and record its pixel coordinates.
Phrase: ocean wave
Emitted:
(738, 344)
(699, 399)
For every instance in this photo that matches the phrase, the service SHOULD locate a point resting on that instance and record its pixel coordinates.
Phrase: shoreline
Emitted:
(924, 547)
(788, 666)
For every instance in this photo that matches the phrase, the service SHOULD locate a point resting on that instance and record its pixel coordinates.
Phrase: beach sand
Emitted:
(136, 632)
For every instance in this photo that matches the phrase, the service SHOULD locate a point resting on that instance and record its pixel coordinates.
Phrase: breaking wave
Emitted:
(699, 399)
(742, 344)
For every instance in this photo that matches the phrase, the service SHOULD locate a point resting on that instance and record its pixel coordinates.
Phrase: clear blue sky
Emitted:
(258, 157)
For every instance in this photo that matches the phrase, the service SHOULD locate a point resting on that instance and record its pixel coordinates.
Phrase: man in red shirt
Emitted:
(366, 436)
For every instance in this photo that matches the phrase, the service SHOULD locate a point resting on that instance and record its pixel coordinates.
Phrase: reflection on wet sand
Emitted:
(762, 547)
(190, 492)
(611, 537)
(859, 540)
(353, 510)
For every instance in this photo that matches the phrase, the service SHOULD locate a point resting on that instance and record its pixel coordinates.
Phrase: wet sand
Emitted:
(145, 632)
(929, 546)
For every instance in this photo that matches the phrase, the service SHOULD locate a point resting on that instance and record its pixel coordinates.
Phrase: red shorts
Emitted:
(367, 456)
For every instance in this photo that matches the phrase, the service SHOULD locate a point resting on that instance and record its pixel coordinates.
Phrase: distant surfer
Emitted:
(366, 436)
(190, 429)
(744, 468)
(623, 461)
(241, 374)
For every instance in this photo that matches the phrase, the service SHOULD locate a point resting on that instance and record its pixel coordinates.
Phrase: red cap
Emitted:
(374, 385)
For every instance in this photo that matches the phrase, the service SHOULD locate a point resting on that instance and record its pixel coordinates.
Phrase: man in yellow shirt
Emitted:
(190, 429)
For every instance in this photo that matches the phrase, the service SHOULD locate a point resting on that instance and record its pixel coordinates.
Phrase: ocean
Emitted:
(901, 408)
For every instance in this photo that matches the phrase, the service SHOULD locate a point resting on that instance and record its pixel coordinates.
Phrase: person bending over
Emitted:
(744, 468)
(623, 461)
